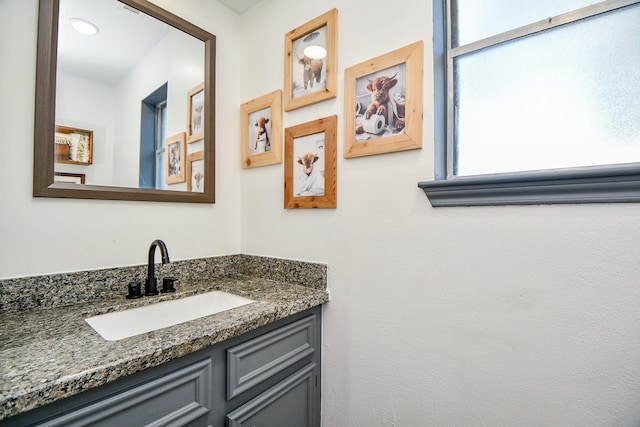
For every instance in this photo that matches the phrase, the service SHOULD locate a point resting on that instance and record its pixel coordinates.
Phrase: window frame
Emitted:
(593, 184)
(160, 144)
(152, 139)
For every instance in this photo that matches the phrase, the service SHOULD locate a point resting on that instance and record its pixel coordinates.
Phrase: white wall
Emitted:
(461, 316)
(40, 236)
(449, 316)
(72, 111)
(176, 60)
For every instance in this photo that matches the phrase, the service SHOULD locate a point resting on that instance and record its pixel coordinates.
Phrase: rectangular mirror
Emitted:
(141, 89)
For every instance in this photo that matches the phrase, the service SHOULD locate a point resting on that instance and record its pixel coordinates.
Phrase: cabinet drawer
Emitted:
(288, 403)
(177, 398)
(258, 359)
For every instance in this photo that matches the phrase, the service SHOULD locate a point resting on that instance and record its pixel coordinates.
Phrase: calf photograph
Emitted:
(308, 63)
(386, 92)
(308, 167)
(260, 131)
(380, 103)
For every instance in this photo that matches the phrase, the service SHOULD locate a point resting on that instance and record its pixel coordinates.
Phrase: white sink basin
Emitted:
(127, 323)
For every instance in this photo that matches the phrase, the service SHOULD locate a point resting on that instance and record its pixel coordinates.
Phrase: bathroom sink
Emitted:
(127, 323)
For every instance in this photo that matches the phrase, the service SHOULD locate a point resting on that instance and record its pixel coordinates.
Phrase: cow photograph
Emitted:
(175, 153)
(259, 131)
(386, 92)
(380, 104)
(308, 165)
(308, 68)
(195, 114)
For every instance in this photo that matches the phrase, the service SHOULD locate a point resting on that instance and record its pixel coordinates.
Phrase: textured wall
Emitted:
(464, 316)
(449, 316)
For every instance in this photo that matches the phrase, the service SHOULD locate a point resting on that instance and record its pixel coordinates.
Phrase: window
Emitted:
(535, 109)
(153, 126)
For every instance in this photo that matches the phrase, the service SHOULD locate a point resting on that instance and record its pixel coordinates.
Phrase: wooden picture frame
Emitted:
(195, 172)
(310, 178)
(365, 134)
(176, 151)
(73, 146)
(74, 178)
(311, 79)
(261, 130)
(195, 114)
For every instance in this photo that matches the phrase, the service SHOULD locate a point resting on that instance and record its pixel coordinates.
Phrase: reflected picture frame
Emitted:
(261, 130)
(310, 172)
(73, 146)
(195, 114)
(195, 172)
(74, 178)
(372, 127)
(311, 79)
(176, 152)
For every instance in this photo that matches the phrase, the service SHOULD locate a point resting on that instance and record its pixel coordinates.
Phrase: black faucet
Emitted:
(151, 284)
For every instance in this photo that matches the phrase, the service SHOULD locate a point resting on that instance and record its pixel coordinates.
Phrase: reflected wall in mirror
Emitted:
(131, 85)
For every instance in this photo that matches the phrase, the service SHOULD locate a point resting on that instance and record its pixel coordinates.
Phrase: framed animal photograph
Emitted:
(383, 103)
(310, 65)
(195, 114)
(261, 130)
(73, 146)
(195, 172)
(176, 151)
(310, 178)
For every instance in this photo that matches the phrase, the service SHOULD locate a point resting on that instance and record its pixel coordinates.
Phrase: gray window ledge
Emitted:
(611, 184)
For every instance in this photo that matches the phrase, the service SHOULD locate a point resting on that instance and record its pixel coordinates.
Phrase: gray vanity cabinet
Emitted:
(292, 401)
(266, 377)
(289, 403)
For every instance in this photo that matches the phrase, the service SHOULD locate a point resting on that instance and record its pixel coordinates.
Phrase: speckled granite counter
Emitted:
(47, 354)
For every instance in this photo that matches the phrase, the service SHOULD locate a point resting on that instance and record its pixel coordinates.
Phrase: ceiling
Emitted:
(239, 6)
(125, 36)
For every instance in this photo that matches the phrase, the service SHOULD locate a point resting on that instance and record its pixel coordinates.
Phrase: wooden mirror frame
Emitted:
(44, 128)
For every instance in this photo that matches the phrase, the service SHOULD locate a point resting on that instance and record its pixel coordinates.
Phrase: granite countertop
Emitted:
(52, 353)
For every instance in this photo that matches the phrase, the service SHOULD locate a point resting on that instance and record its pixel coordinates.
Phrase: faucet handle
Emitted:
(135, 290)
(168, 284)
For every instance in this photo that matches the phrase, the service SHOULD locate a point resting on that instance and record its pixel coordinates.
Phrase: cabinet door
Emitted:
(288, 403)
(179, 398)
(263, 357)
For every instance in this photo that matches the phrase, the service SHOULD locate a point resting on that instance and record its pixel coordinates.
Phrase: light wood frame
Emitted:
(179, 175)
(249, 130)
(75, 178)
(65, 131)
(195, 121)
(191, 159)
(291, 59)
(328, 199)
(411, 136)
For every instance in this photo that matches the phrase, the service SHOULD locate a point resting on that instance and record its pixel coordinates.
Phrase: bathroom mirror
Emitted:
(77, 102)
